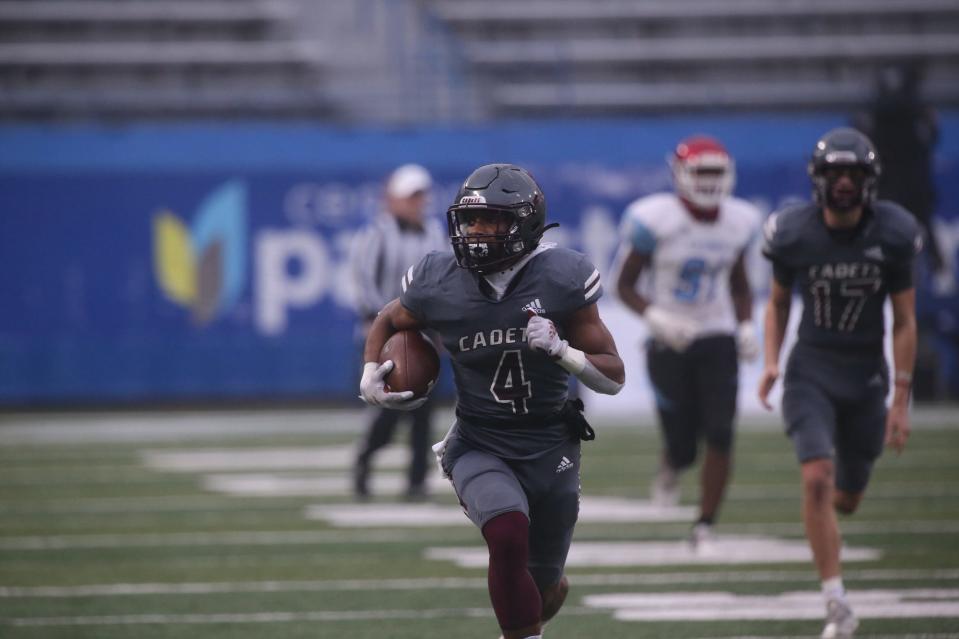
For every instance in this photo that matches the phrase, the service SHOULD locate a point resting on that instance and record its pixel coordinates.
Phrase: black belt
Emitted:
(570, 414)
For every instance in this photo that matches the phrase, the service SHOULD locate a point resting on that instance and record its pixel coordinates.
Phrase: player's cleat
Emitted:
(415, 494)
(664, 491)
(361, 481)
(841, 623)
(702, 540)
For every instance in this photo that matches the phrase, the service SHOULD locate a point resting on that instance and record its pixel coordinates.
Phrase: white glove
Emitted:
(541, 336)
(373, 389)
(747, 343)
(672, 329)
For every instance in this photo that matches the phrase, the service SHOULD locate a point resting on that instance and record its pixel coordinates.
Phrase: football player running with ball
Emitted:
(690, 246)
(845, 254)
(517, 317)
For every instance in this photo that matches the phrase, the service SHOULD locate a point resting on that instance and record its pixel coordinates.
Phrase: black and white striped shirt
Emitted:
(381, 254)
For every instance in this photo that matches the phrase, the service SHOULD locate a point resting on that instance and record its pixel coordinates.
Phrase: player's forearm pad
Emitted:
(574, 361)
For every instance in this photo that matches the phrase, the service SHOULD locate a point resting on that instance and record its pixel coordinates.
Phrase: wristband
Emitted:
(903, 379)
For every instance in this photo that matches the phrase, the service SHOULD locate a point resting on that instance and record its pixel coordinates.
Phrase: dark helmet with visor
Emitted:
(507, 195)
(839, 151)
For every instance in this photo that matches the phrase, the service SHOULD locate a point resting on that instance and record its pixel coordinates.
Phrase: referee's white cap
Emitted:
(408, 180)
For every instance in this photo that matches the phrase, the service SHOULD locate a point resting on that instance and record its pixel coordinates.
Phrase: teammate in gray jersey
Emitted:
(845, 254)
(518, 317)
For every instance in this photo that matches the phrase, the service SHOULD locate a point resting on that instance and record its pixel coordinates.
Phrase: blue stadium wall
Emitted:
(207, 262)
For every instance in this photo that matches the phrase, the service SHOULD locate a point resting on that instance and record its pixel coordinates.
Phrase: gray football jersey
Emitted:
(843, 278)
(508, 394)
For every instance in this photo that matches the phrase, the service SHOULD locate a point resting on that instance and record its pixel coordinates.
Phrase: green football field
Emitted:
(240, 525)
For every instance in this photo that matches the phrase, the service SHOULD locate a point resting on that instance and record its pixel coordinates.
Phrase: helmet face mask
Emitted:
(482, 237)
(844, 170)
(704, 174)
(498, 216)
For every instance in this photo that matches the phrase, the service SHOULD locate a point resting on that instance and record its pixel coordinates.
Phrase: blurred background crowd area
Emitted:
(180, 179)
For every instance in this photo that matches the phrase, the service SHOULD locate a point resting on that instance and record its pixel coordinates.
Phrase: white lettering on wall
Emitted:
(277, 287)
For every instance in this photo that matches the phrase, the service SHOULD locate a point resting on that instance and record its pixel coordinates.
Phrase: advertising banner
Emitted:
(196, 263)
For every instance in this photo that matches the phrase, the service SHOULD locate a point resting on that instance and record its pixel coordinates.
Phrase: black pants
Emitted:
(380, 433)
(695, 395)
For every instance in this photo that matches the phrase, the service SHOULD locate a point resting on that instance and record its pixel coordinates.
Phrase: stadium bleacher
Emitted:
(419, 61)
(169, 58)
(582, 58)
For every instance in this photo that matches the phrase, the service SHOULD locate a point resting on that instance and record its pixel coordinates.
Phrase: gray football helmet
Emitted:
(512, 202)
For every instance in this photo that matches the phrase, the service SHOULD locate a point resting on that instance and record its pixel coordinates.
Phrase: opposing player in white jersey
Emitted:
(684, 273)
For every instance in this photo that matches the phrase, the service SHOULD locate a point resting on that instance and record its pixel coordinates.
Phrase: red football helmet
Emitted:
(703, 174)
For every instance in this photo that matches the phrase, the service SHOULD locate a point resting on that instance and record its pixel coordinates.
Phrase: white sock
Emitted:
(832, 588)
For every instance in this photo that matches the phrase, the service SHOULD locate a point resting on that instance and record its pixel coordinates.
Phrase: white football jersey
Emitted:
(691, 259)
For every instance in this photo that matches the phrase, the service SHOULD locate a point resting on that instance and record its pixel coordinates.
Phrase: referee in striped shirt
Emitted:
(381, 253)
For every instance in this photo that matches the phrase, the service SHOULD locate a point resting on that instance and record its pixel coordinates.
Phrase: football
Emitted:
(416, 364)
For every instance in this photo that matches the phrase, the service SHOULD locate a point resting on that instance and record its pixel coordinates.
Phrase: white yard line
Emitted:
(258, 617)
(172, 427)
(726, 606)
(950, 635)
(157, 426)
(725, 550)
(592, 509)
(159, 540)
(462, 583)
(386, 535)
(879, 490)
(314, 484)
(672, 606)
(208, 460)
(140, 505)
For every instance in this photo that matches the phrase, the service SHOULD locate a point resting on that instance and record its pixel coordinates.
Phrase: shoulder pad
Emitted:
(649, 219)
(746, 210)
(572, 275)
(899, 231)
(427, 271)
(782, 232)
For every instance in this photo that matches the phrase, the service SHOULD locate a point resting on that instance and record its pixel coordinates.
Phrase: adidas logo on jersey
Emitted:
(535, 306)
(874, 253)
(564, 465)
